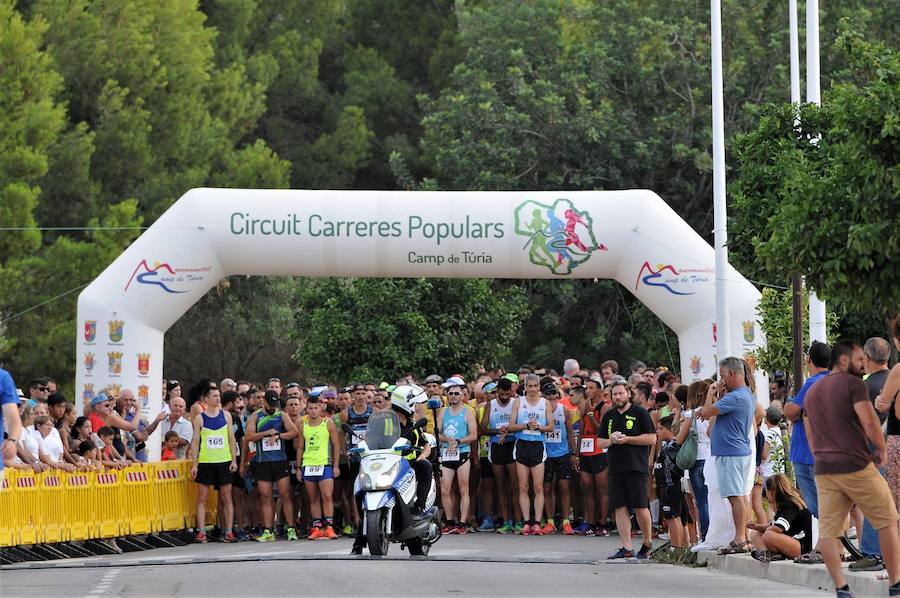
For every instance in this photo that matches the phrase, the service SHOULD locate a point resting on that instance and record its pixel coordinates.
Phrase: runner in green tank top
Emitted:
(318, 460)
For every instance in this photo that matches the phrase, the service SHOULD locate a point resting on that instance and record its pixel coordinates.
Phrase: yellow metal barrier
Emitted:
(56, 506)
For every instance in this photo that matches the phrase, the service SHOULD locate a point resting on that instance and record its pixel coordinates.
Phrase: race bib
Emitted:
(215, 442)
(271, 443)
(314, 471)
(587, 445)
(450, 454)
(553, 437)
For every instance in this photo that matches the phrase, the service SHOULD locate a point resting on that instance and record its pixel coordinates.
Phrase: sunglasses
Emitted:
(454, 394)
(43, 388)
(291, 385)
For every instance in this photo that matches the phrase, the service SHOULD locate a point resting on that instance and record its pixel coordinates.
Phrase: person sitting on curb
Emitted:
(790, 532)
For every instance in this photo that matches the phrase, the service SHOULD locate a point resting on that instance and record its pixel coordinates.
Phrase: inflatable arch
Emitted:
(631, 236)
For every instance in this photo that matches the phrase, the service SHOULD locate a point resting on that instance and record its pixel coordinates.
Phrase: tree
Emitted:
(828, 209)
(380, 329)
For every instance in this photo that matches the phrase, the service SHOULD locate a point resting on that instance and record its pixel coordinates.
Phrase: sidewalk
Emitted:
(810, 576)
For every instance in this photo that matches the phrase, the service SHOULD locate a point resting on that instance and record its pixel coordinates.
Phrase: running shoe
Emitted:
(487, 525)
(329, 534)
(229, 537)
(622, 553)
(583, 529)
(348, 531)
(550, 528)
(316, 534)
(644, 552)
(266, 536)
(536, 530)
(292, 534)
(242, 536)
(567, 528)
(200, 538)
(526, 530)
(506, 528)
(461, 529)
(518, 527)
(601, 532)
(448, 529)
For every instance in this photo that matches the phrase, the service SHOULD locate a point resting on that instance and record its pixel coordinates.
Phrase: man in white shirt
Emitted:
(179, 425)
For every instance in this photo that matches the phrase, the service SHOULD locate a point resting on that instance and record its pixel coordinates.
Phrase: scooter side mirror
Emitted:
(346, 428)
(421, 423)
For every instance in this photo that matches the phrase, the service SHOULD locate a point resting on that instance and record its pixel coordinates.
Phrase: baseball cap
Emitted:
(489, 387)
(317, 390)
(20, 394)
(433, 378)
(454, 381)
(272, 397)
(99, 398)
(512, 378)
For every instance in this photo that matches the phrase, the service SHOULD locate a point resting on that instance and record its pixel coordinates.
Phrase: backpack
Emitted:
(687, 454)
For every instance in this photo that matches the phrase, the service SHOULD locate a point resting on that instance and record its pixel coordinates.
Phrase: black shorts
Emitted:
(214, 474)
(237, 480)
(628, 489)
(487, 472)
(269, 471)
(345, 473)
(593, 464)
(530, 453)
(502, 454)
(454, 465)
(671, 501)
(558, 468)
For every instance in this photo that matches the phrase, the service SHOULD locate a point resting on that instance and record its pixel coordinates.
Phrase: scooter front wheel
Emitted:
(376, 532)
(417, 547)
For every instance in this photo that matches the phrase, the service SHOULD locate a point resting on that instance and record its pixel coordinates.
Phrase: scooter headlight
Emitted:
(382, 480)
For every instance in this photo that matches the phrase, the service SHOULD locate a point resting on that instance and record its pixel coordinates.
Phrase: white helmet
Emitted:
(406, 397)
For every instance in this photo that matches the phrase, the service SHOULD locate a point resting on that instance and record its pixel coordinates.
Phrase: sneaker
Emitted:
(348, 531)
(316, 534)
(200, 538)
(448, 529)
(229, 537)
(567, 528)
(242, 536)
(622, 553)
(550, 528)
(266, 536)
(356, 550)
(506, 528)
(843, 593)
(461, 529)
(292, 535)
(644, 552)
(487, 525)
(869, 563)
(526, 530)
(663, 536)
(894, 590)
(582, 529)
(519, 526)
(329, 534)
(536, 530)
(601, 532)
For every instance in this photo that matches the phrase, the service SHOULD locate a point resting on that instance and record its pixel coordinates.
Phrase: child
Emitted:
(318, 454)
(790, 533)
(88, 453)
(668, 482)
(170, 443)
(108, 455)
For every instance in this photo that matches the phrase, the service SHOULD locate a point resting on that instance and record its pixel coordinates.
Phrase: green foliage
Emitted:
(380, 329)
(775, 311)
(829, 210)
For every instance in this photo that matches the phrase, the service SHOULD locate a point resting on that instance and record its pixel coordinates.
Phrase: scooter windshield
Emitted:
(383, 430)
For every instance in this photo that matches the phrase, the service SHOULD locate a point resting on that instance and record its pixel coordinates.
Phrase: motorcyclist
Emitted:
(403, 402)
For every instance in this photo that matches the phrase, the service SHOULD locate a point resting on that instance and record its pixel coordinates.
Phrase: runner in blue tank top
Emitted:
(531, 418)
(456, 430)
(562, 458)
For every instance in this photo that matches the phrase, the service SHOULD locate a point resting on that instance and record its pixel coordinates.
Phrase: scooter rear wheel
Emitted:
(376, 532)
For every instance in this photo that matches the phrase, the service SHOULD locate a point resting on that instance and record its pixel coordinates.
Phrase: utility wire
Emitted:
(43, 303)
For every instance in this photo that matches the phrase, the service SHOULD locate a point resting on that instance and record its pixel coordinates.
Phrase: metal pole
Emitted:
(720, 230)
(814, 96)
(795, 53)
(797, 333)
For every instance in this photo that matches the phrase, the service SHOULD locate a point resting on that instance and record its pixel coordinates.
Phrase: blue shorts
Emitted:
(327, 474)
(733, 473)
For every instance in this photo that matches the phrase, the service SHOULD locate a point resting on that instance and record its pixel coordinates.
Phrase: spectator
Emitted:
(38, 391)
(691, 420)
(817, 362)
(126, 407)
(608, 370)
(108, 454)
(570, 367)
(839, 421)
(668, 483)
(176, 422)
(103, 414)
(887, 402)
(730, 443)
(50, 447)
(81, 431)
(640, 395)
(227, 384)
(790, 532)
(170, 445)
(88, 455)
(638, 367)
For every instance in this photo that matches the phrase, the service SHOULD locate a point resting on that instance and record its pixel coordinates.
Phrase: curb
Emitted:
(810, 576)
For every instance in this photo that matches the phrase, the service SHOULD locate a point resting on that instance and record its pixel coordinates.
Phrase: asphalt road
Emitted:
(471, 565)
